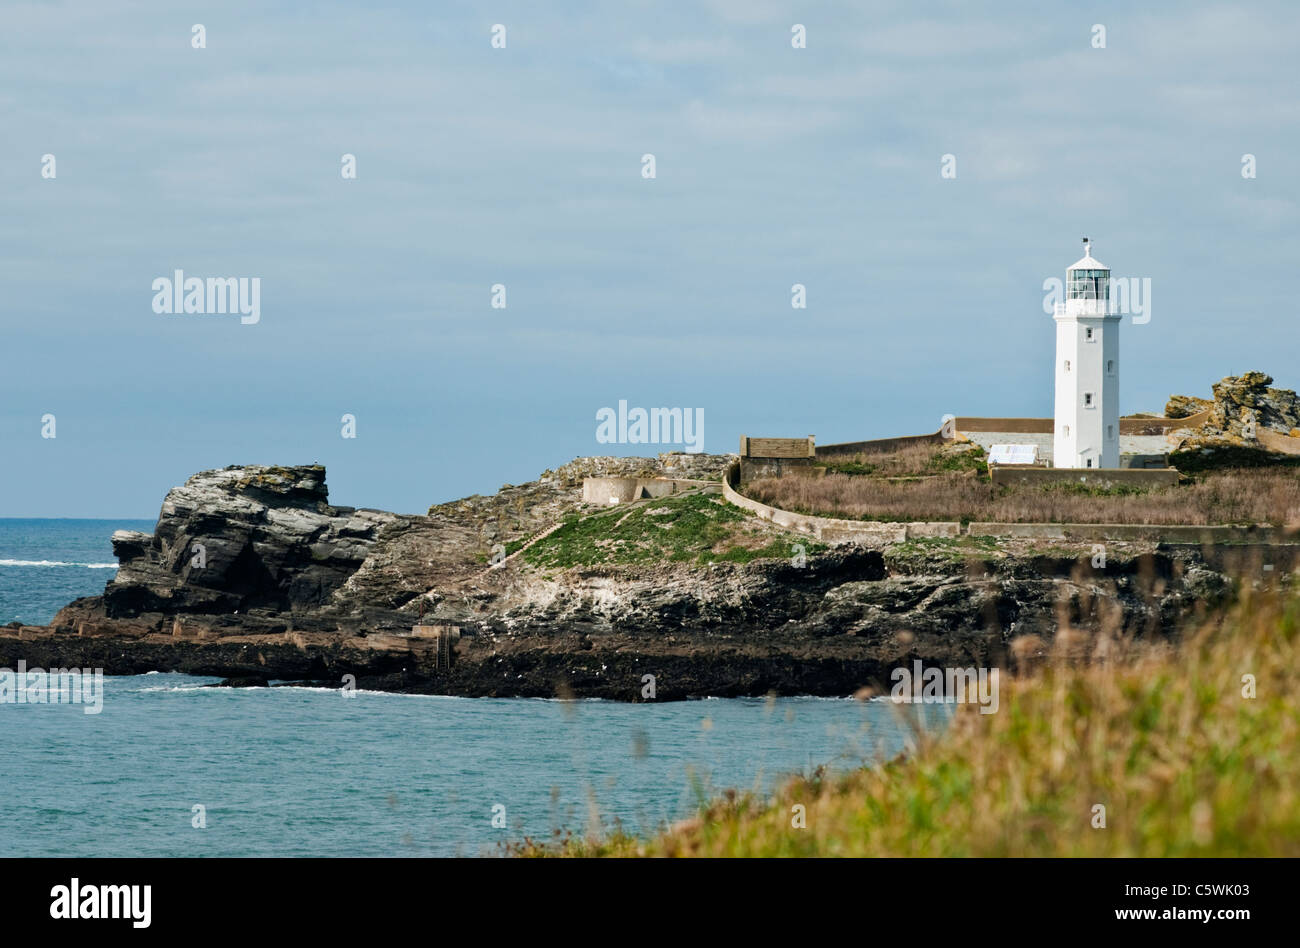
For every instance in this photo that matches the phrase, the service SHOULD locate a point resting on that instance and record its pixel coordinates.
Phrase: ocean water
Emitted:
(291, 771)
(45, 564)
(309, 772)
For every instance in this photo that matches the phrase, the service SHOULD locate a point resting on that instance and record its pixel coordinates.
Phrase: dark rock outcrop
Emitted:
(239, 540)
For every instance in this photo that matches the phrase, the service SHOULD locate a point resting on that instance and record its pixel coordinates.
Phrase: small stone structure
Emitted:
(773, 457)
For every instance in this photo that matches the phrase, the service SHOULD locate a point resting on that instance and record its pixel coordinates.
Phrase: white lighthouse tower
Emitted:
(1087, 369)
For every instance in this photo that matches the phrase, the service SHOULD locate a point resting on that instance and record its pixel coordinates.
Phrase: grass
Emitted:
(1164, 738)
(699, 528)
(1232, 497)
(945, 549)
(914, 460)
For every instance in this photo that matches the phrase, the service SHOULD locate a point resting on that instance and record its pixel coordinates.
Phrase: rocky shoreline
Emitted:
(252, 576)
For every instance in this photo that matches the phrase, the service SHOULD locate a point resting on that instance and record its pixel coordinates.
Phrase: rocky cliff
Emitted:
(243, 540)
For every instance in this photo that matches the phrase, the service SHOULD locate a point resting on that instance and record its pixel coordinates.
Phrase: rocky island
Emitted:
(251, 575)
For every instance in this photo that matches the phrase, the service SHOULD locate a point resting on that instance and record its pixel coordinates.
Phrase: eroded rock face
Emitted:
(1238, 399)
(1183, 406)
(839, 622)
(240, 539)
(1250, 424)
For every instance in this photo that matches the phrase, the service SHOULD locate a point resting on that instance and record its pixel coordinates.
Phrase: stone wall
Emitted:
(879, 533)
(1127, 425)
(1162, 533)
(833, 530)
(1092, 477)
(879, 445)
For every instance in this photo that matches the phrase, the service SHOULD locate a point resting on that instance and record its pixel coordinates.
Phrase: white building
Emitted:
(1087, 369)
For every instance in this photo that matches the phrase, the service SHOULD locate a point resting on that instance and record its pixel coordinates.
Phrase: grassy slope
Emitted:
(701, 528)
(1183, 763)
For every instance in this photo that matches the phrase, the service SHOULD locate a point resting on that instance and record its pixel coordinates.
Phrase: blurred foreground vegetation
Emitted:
(1165, 738)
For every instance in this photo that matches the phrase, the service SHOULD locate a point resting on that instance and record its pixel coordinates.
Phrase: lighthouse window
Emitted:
(1110, 366)
(1087, 399)
(1087, 334)
(1067, 365)
(1065, 430)
(1089, 284)
(1110, 432)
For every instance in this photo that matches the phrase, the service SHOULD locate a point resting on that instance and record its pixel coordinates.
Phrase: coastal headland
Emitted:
(674, 591)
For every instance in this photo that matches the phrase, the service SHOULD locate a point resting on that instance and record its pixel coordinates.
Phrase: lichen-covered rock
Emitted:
(1250, 424)
(1243, 399)
(1183, 406)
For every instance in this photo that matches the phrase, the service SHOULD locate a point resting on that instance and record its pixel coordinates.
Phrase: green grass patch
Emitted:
(956, 462)
(694, 527)
(852, 465)
(943, 549)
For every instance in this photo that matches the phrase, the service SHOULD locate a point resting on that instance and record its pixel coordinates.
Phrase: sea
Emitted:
(169, 766)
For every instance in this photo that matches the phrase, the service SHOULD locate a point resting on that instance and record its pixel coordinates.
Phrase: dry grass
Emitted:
(1184, 762)
(1229, 497)
(912, 460)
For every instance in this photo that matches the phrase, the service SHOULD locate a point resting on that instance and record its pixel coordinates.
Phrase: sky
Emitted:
(523, 166)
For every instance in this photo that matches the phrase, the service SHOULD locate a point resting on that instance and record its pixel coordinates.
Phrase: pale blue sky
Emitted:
(522, 166)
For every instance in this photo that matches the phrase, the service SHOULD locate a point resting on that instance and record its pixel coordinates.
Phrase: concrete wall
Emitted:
(753, 468)
(881, 444)
(435, 631)
(1276, 441)
(1011, 425)
(1092, 477)
(609, 490)
(832, 530)
(1127, 426)
(1143, 462)
(1155, 426)
(1166, 533)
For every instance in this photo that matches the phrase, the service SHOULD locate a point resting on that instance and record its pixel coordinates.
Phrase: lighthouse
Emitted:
(1086, 432)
